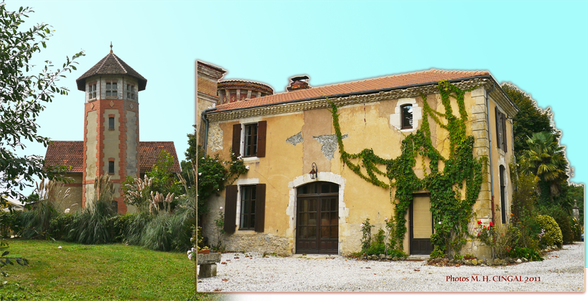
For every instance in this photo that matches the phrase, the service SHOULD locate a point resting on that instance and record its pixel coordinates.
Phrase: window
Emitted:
(130, 91)
(252, 142)
(406, 117)
(500, 129)
(247, 208)
(111, 123)
(252, 204)
(111, 166)
(502, 172)
(111, 89)
(92, 90)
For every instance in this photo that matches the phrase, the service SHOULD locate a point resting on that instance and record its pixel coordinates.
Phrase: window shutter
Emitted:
(237, 139)
(498, 132)
(260, 208)
(504, 132)
(261, 134)
(230, 209)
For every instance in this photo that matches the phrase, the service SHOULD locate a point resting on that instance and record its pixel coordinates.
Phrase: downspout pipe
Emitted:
(490, 150)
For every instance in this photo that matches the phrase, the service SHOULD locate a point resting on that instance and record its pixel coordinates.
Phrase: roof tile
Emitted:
(393, 81)
(71, 153)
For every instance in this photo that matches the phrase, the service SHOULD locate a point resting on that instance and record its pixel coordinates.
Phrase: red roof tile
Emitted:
(393, 81)
(149, 153)
(71, 153)
(66, 153)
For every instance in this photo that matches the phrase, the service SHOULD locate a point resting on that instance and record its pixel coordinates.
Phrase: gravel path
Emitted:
(561, 271)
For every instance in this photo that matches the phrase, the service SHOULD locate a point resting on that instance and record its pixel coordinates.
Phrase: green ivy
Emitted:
(450, 212)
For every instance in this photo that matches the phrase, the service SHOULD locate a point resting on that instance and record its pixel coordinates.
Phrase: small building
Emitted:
(301, 196)
(111, 143)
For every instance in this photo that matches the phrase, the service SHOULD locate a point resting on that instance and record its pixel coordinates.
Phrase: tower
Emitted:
(111, 125)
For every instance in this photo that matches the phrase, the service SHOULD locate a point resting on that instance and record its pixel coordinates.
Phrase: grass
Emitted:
(97, 272)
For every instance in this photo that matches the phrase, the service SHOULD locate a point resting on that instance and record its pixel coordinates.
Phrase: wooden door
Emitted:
(421, 225)
(317, 219)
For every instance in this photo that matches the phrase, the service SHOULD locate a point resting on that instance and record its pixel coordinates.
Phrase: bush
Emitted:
(552, 233)
(36, 222)
(60, 225)
(528, 253)
(93, 225)
(563, 221)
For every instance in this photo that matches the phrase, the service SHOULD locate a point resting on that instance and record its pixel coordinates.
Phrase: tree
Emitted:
(545, 159)
(23, 96)
(530, 118)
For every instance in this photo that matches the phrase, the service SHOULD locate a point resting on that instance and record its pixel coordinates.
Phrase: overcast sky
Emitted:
(540, 46)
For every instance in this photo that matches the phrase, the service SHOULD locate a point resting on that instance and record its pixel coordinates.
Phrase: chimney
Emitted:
(298, 82)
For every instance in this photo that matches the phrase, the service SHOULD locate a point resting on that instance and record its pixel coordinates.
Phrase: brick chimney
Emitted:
(298, 82)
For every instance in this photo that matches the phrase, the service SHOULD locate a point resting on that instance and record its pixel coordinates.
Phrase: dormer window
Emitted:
(111, 89)
(130, 91)
(92, 90)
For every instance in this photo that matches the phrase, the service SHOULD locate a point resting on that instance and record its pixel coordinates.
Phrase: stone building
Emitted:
(111, 143)
(299, 197)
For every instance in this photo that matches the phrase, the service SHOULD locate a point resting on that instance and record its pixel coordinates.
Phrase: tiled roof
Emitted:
(71, 153)
(111, 64)
(66, 153)
(149, 152)
(393, 81)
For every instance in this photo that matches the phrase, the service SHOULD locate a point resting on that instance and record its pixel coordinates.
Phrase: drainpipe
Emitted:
(490, 148)
(206, 128)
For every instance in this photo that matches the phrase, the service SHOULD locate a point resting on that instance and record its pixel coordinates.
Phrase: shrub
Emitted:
(36, 222)
(552, 234)
(135, 227)
(60, 225)
(528, 253)
(93, 225)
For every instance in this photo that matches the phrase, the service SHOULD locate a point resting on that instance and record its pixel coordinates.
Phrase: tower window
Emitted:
(130, 91)
(111, 166)
(111, 89)
(111, 123)
(92, 90)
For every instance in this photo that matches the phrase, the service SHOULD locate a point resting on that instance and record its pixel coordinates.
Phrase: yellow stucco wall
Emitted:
(286, 166)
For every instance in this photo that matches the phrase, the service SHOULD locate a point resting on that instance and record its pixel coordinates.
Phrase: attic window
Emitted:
(111, 89)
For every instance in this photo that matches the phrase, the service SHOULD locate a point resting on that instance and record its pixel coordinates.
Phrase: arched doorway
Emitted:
(317, 218)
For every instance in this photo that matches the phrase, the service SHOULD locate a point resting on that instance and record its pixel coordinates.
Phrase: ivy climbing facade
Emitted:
(418, 148)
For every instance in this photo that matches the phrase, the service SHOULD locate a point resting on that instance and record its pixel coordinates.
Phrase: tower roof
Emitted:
(111, 65)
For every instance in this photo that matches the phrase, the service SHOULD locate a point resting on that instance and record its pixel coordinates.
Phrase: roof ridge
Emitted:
(116, 59)
(101, 65)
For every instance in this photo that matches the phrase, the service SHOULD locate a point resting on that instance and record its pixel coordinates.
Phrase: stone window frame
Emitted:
(417, 114)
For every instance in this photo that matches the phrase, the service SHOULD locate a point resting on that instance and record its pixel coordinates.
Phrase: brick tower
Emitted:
(111, 125)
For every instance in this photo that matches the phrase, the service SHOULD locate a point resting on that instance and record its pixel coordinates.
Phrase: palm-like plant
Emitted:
(545, 160)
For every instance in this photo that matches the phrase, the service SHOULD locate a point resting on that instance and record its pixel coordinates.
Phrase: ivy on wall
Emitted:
(451, 212)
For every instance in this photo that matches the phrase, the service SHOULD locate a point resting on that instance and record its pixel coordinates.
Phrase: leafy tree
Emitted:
(164, 179)
(529, 120)
(23, 96)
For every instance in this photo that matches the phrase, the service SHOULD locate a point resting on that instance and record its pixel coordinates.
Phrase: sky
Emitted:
(540, 46)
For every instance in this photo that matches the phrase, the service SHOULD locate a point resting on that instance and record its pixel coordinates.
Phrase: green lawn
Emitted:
(97, 272)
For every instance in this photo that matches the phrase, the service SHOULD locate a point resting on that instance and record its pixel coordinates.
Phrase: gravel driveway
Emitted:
(561, 271)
